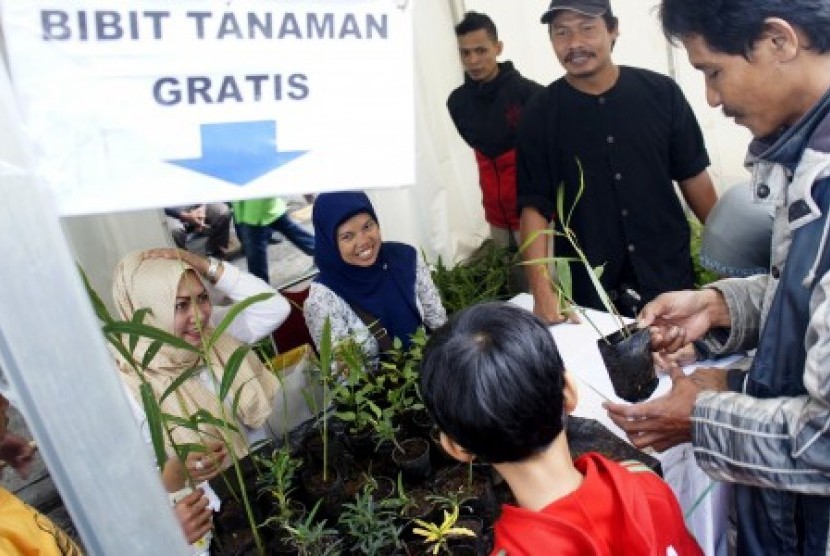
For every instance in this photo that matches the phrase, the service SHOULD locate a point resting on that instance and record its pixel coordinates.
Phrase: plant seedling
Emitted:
(438, 535)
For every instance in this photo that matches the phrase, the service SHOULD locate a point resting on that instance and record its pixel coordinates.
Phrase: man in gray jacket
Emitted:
(767, 64)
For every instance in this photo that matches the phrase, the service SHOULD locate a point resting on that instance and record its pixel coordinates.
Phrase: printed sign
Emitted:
(169, 102)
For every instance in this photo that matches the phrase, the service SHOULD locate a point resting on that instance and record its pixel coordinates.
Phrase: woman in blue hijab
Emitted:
(371, 290)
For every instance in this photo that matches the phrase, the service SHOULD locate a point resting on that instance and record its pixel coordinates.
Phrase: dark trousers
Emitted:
(218, 219)
(255, 242)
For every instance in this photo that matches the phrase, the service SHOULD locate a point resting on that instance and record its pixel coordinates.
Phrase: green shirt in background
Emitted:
(258, 212)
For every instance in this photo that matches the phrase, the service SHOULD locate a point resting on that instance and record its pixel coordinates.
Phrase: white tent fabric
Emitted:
(441, 213)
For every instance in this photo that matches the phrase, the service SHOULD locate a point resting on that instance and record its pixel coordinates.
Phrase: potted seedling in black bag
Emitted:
(626, 352)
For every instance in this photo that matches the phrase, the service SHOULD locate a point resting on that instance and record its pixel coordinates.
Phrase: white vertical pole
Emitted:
(56, 368)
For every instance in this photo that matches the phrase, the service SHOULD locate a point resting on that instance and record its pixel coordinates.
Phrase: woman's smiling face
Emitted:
(193, 309)
(358, 240)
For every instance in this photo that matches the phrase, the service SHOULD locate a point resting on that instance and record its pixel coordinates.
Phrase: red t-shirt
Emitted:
(618, 509)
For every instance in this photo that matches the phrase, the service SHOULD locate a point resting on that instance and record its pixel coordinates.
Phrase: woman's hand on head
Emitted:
(199, 263)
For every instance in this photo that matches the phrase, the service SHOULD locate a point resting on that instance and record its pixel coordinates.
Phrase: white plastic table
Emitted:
(703, 501)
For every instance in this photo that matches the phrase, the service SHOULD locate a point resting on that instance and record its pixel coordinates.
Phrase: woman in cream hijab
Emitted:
(169, 282)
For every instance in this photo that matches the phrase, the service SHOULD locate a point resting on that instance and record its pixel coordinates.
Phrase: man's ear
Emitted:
(499, 48)
(454, 449)
(783, 39)
(570, 395)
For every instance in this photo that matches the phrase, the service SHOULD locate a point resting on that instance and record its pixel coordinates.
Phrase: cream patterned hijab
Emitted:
(153, 283)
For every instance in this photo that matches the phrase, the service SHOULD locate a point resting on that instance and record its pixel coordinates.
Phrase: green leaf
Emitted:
(232, 314)
(200, 417)
(560, 206)
(138, 318)
(97, 304)
(150, 353)
(346, 415)
(116, 342)
(154, 422)
(146, 331)
(564, 278)
(231, 370)
(178, 381)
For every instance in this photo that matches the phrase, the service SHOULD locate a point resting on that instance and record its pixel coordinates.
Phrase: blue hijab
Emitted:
(386, 289)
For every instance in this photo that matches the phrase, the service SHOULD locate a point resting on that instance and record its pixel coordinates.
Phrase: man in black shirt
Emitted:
(633, 133)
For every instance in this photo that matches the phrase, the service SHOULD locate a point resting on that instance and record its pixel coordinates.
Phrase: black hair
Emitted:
(475, 21)
(611, 21)
(734, 26)
(493, 380)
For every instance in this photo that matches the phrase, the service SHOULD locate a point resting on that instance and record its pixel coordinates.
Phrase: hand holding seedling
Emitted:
(204, 466)
(677, 318)
(660, 423)
(667, 361)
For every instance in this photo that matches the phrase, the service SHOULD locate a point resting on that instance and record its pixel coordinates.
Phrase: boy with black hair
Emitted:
(494, 382)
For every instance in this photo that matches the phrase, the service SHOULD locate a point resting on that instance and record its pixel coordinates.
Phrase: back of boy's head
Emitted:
(492, 379)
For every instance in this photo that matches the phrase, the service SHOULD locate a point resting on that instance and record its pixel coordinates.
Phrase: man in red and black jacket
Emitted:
(486, 110)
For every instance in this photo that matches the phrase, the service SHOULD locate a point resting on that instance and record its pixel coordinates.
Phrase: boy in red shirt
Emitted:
(494, 382)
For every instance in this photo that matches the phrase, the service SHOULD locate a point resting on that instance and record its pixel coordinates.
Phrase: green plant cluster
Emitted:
(703, 275)
(484, 276)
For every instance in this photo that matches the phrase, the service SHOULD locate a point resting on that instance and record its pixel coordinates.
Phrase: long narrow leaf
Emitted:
(563, 276)
(578, 193)
(179, 380)
(564, 221)
(200, 417)
(150, 354)
(325, 348)
(232, 314)
(138, 318)
(97, 304)
(154, 422)
(236, 397)
(146, 331)
(231, 370)
(116, 342)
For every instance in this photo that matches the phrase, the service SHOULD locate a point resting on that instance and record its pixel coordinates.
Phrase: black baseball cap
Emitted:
(591, 8)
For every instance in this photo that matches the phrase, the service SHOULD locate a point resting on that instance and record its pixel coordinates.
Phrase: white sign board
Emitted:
(156, 103)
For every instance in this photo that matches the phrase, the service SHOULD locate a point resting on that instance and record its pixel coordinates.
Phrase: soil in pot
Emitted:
(313, 445)
(413, 459)
(457, 543)
(238, 543)
(439, 456)
(362, 442)
(420, 507)
(417, 423)
(627, 356)
(331, 491)
(275, 535)
(456, 481)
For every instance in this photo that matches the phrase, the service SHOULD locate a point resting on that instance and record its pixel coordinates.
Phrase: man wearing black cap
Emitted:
(633, 133)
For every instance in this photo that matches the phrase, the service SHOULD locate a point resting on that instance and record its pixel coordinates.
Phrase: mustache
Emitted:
(731, 112)
(578, 52)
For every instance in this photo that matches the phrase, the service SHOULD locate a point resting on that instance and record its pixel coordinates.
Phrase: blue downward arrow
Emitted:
(238, 152)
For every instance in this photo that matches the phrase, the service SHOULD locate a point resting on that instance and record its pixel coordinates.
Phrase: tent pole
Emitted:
(56, 370)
